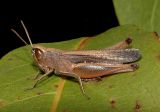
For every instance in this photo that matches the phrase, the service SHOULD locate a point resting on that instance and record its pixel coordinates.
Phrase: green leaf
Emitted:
(125, 92)
(143, 13)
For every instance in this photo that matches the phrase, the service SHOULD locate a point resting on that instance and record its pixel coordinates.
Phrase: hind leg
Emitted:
(122, 45)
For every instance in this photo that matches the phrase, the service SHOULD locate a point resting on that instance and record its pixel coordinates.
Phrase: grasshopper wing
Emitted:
(103, 56)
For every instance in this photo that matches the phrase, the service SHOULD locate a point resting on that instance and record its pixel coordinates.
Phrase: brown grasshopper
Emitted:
(84, 64)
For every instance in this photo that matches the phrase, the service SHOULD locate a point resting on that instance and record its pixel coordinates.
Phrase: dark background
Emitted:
(52, 22)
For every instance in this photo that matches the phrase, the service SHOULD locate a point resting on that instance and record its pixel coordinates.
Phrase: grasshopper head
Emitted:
(38, 53)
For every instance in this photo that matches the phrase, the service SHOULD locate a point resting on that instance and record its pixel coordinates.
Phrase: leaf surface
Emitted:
(127, 92)
(143, 13)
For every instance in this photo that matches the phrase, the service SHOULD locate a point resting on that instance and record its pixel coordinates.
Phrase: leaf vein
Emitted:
(153, 14)
(28, 98)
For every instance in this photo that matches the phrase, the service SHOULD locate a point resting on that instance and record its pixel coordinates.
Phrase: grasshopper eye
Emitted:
(37, 53)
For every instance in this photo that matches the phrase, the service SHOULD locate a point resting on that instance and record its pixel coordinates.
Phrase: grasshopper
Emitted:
(84, 64)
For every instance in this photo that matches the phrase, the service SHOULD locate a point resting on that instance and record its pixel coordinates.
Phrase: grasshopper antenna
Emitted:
(14, 31)
(25, 29)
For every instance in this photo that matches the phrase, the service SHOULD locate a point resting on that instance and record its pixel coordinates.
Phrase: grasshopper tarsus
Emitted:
(29, 89)
(128, 40)
(32, 86)
(134, 66)
(88, 98)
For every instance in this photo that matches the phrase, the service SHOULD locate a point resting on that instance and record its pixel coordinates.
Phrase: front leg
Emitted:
(39, 79)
